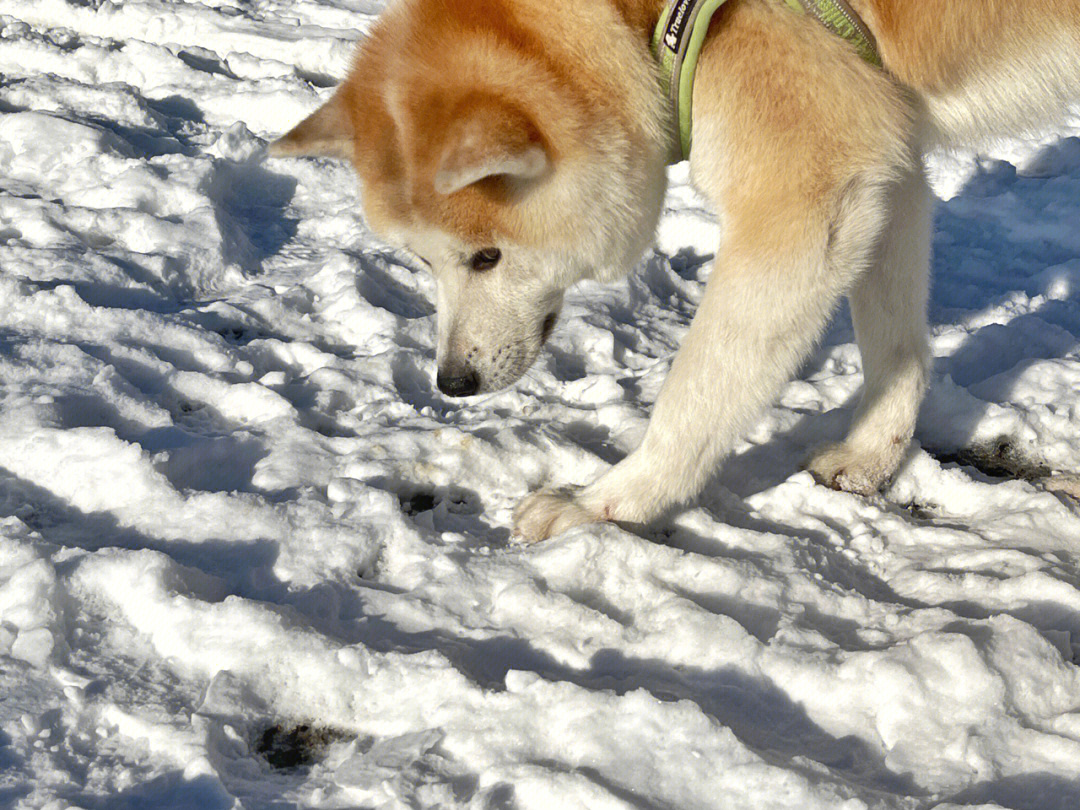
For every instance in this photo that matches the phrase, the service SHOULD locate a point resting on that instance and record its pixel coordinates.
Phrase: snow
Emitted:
(236, 516)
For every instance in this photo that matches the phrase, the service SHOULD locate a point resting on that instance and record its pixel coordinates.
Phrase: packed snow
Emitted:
(250, 557)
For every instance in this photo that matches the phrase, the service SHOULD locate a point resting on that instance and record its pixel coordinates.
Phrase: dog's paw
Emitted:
(547, 513)
(841, 467)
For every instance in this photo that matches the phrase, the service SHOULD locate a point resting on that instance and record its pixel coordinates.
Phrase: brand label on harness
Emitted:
(676, 26)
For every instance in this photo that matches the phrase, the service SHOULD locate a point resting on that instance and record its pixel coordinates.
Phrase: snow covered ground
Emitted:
(249, 557)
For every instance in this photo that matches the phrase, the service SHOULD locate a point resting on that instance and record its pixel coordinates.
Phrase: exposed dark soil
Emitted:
(299, 745)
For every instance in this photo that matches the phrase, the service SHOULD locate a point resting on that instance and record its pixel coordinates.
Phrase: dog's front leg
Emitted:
(766, 304)
(802, 148)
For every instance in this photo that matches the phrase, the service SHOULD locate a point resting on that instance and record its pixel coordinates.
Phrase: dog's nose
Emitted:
(459, 385)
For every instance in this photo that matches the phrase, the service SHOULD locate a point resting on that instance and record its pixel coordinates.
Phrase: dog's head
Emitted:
(513, 149)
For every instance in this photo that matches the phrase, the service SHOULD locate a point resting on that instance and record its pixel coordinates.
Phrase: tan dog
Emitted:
(519, 146)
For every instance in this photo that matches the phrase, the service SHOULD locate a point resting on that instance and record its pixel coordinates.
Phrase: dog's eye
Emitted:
(485, 259)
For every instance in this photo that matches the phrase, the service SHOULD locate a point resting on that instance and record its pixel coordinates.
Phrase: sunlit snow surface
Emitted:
(233, 503)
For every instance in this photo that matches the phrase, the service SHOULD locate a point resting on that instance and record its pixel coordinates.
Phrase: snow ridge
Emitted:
(250, 557)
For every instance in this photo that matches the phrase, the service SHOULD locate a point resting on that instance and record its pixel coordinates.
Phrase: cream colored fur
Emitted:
(813, 159)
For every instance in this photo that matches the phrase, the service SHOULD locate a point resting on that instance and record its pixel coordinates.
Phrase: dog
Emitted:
(516, 147)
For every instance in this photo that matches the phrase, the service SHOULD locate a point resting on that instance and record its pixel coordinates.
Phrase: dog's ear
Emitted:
(326, 132)
(490, 139)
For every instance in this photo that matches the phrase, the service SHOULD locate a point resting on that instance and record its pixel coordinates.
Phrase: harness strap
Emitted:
(681, 31)
(840, 18)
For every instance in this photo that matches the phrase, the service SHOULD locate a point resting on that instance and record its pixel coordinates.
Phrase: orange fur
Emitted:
(424, 64)
(536, 130)
(788, 153)
(935, 45)
(429, 56)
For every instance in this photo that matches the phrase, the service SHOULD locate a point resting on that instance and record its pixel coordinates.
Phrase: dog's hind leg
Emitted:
(888, 308)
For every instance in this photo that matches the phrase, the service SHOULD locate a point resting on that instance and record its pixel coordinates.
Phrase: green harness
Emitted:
(679, 35)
